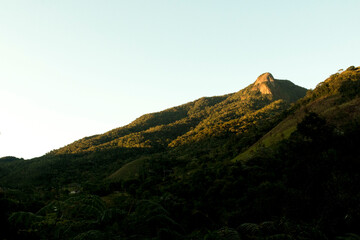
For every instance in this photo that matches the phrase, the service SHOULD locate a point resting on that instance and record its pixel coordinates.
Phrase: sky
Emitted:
(75, 68)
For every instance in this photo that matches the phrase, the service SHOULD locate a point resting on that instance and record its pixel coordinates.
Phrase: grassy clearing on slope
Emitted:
(335, 113)
(130, 170)
(282, 131)
(267, 141)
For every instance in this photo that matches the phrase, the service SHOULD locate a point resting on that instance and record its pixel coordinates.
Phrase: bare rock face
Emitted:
(264, 83)
(265, 77)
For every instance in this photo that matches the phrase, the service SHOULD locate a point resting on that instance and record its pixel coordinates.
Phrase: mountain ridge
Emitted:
(191, 121)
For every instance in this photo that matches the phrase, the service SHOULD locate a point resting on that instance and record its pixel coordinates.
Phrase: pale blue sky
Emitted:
(70, 69)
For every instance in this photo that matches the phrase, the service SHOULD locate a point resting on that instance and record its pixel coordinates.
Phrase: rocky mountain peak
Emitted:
(278, 89)
(265, 78)
(264, 83)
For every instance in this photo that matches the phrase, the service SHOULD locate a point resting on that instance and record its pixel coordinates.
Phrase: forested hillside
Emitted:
(212, 127)
(266, 162)
(197, 120)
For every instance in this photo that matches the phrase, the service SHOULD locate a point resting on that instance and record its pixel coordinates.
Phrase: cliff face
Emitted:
(264, 83)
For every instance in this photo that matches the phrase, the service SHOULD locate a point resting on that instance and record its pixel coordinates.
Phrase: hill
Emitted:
(172, 175)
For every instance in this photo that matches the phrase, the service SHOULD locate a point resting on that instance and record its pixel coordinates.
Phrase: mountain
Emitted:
(217, 127)
(259, 163)
(198, 120)
(208, 128)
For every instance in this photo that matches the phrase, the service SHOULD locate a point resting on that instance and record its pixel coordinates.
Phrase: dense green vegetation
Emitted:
(196, 121)
(172, 174)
